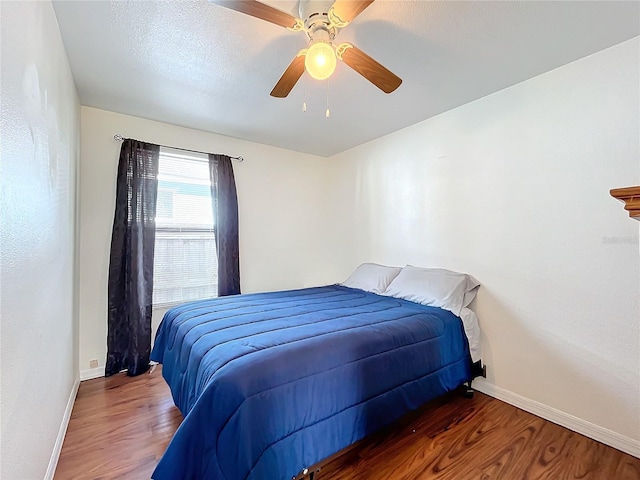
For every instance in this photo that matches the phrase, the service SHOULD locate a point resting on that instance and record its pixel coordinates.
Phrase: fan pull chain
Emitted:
(327, 114)
(305, 89)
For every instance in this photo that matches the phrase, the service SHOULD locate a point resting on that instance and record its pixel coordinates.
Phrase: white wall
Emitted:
(513, 188)
(282, 209)
(39, 345)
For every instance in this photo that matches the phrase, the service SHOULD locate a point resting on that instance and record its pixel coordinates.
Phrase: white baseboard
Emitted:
(588, 429)
(57, 447)
(91, 373)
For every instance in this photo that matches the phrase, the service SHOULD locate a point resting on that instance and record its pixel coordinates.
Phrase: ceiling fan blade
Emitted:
(261, 11)
(343, 12)
(366, 66)
(290, 76)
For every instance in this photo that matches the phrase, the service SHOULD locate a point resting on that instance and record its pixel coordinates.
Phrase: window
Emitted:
(185, 259)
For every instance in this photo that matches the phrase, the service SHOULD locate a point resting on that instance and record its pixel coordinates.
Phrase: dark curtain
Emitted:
(131, 261)
(225, 223)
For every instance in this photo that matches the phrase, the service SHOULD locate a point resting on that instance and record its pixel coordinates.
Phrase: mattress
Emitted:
(272, 383)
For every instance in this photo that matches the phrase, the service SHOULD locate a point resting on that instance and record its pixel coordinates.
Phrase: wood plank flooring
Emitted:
(120, 427)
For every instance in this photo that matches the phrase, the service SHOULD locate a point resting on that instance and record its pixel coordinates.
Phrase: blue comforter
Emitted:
(271, 383)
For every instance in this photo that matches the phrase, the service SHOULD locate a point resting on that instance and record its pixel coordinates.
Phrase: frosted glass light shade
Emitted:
(320, 60)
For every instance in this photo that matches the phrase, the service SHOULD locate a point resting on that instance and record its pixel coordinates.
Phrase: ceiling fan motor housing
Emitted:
(314, 13)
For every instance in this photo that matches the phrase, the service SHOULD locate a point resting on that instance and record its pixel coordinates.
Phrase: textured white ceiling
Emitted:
(199, 65)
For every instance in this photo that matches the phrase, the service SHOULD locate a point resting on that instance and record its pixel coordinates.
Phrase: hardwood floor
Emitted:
(120, 427)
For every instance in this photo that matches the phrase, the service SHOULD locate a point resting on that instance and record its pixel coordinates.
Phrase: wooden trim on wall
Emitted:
(631, 198)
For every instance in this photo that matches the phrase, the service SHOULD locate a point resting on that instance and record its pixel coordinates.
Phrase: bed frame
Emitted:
(478, 369)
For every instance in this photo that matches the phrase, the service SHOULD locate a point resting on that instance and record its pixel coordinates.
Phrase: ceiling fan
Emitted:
(322, 22)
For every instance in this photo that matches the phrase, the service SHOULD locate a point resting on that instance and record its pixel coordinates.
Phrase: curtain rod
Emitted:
(119, 138)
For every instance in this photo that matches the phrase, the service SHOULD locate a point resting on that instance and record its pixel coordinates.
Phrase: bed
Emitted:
(272, 383)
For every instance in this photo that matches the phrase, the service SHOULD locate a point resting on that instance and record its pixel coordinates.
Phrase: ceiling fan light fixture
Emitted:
(320, 61)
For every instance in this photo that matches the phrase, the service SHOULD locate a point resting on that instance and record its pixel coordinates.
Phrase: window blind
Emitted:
(185, 260)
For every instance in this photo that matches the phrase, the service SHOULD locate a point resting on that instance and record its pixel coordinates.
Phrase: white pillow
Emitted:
(434, 287)
(472, 330)
(471, 294)
(372, 277)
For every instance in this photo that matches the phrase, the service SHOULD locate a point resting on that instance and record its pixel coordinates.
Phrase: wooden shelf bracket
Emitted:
(631, 198)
